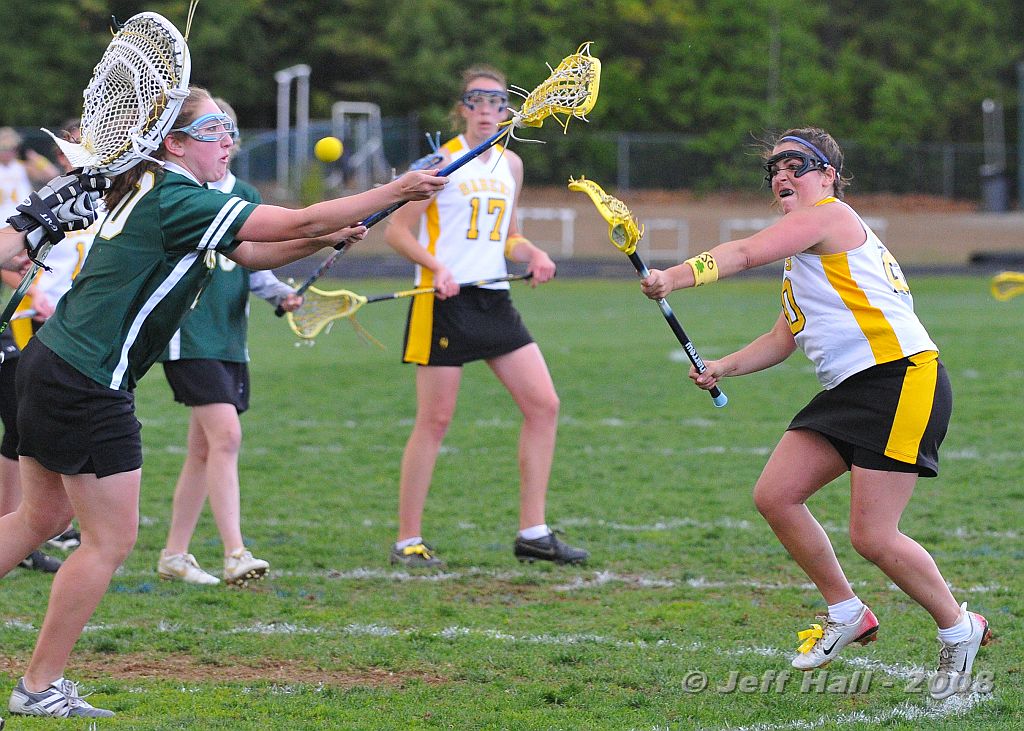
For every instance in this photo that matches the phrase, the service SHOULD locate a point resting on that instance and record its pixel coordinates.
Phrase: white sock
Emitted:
(958, 632)
(845, 611)
(402, 545)
(534, 532)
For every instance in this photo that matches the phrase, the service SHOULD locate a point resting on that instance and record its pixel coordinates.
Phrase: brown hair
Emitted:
(126, 182)
(479, 71)
(825, 144)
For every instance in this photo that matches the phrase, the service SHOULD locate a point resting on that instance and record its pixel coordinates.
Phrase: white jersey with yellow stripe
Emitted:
(851, 310)
(466, 224)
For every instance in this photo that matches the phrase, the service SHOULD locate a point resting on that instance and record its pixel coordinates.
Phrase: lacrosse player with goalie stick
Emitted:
(625, 232)
(881, 417)
(160, 141)
(464, 234)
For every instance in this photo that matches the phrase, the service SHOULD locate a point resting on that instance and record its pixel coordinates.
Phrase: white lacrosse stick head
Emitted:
(134, 97)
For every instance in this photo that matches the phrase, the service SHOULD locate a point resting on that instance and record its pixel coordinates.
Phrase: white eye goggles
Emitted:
(497, 100)
(210, 128)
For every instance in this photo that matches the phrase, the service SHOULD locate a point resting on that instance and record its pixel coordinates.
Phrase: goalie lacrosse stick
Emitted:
(570, 90)
(131, 102)
(1007, 285)
(320, 308)
(625, 232)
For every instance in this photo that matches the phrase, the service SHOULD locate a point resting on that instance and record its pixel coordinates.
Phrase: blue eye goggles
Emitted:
(497, 100)
(210, 128)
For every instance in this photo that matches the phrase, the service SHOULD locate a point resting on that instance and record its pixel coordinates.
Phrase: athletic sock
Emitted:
(845, 611)
(534, 532)
(414, 541)
(959, 632)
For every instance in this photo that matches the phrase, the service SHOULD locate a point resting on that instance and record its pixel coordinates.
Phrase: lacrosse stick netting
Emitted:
(133, 98)
(570, 90)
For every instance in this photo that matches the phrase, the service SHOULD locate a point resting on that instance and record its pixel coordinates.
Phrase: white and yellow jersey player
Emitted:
(467, 224)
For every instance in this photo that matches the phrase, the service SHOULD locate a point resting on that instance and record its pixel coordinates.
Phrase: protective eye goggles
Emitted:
(497, 100)
(808, 163)
(210, 128)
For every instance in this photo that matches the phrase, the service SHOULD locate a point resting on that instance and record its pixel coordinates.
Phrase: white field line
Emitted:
(955, 706)
(582, 582)
(455, 632)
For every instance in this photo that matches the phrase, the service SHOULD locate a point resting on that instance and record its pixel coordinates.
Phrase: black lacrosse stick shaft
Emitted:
(717, 396)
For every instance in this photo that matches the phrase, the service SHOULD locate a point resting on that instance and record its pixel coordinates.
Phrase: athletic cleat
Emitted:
(59, 700)
(956, 660)
(39, 561)
(420, 556)
(67, 540)
(548, 548)
(240, 568)
(183, 567)
(821, 645)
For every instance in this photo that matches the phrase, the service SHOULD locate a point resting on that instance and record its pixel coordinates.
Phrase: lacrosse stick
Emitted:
(1007, 285)
(131, 102)
(320, 308)
(427, 161)
(625, 232)
(570, 90)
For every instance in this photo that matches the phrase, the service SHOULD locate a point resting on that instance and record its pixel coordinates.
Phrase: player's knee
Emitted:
(46, 522)
(870, 544)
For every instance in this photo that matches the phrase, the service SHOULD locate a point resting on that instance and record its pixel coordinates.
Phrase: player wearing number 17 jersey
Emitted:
(465, 234)
(883, 413)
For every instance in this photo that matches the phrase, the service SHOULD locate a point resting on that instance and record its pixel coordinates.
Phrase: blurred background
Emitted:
(925, 97)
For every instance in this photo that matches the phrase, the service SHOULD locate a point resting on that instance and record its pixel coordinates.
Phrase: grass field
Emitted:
(686, 584)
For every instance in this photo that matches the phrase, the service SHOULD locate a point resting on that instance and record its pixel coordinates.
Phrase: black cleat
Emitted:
(39, 561)
(548, 548)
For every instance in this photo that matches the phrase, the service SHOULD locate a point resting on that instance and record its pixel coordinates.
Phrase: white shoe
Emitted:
(59, 700)
(183, 567)
(240, 568)
(821, 646)
(957, 659)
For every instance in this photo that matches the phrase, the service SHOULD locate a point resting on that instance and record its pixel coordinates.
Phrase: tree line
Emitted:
(874, 72)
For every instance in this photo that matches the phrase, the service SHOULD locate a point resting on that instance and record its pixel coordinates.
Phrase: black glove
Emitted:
(66, 203)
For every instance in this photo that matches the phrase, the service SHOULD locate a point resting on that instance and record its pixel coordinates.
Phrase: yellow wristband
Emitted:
(512, 242)
(705, 268)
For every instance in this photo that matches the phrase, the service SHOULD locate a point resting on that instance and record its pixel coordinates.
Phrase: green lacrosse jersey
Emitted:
(151, 258)
(217, 326)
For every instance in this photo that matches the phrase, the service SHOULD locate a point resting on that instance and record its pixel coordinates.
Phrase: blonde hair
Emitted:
(478, 71)
(125, 182)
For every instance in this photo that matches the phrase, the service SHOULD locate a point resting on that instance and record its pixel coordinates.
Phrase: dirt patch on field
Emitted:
(190, 669)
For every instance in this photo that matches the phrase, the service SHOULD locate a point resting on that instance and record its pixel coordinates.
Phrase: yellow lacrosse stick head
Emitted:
(624, 230)
(1007, 285)
(571, 89)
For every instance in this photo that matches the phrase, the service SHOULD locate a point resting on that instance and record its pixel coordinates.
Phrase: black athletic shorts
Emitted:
(476, 324)
(70, 423)
(198, 382)
(9, 405)
(891, 416)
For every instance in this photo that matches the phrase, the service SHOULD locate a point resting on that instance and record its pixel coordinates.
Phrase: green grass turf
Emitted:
(685, 576)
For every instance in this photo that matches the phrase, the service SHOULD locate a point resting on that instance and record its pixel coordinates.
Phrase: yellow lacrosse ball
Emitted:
(328, 149)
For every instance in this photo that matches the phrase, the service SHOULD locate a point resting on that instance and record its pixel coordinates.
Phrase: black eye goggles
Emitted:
(808, 163)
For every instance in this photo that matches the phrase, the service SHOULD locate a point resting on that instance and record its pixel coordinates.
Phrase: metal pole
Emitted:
(284, 79)
(1020, 135)
(302, 115)
(284, 82)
